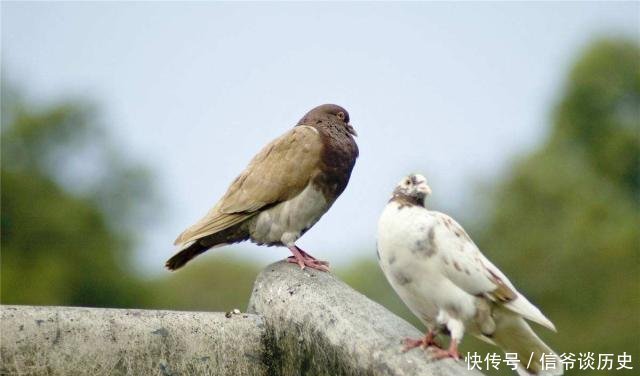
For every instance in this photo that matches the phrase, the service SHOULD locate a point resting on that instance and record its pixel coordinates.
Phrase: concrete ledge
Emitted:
(307, 323)
(93, 341)
(317, 325)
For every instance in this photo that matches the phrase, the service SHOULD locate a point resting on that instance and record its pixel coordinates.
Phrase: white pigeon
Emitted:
(446, 281)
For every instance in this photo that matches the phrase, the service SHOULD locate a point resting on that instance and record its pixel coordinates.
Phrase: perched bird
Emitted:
(444, 279)
(283, 191)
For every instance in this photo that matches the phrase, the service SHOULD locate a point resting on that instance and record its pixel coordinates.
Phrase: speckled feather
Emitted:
(442, 276)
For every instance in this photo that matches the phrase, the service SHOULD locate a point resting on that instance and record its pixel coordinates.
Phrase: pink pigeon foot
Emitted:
(303, 259)
(451, 352)
(427, 341)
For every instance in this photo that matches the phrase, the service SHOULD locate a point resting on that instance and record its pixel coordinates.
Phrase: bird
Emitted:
(445, 280)
(283, 191)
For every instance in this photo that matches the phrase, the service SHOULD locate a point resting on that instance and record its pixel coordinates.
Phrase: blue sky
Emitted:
(453, 90)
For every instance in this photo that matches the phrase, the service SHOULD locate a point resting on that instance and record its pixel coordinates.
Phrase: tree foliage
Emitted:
(62, 240)
(565, 221)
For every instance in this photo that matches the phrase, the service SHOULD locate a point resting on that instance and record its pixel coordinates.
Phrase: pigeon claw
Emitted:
(313, 264)
(451, 352)
(410, 343)
(303, 259)
(427, 341)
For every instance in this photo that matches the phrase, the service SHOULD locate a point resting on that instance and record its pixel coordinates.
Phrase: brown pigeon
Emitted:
(284, 190)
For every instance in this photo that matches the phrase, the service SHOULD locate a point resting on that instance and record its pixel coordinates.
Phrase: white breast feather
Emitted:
(456, 258)
(286, 221)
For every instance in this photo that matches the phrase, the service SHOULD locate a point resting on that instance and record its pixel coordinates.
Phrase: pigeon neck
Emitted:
(406, 200)
(338, 156)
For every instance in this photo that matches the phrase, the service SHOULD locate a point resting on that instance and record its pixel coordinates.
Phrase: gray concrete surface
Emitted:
(92, 341)
(317, 325)
(303, 323)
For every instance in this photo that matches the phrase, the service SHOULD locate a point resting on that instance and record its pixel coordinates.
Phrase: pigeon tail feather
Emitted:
(191, 249)
(187, 252)
(514, 335)
(524, 307)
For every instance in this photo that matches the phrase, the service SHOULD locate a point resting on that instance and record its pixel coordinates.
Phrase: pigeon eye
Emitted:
(340, 115)
(407, 182)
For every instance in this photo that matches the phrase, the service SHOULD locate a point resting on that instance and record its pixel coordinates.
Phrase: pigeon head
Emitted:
(413, 189)
(331, 113)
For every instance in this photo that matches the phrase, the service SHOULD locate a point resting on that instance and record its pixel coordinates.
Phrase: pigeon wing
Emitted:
(280, 171)
(465, 266)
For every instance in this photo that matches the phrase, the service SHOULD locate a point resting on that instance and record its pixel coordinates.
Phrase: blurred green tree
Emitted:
(68, 200)
(212, 283)
(566, 220)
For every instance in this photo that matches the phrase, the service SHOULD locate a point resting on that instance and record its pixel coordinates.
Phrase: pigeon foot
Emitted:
(427, 341)
(451, 352)
(303, 259)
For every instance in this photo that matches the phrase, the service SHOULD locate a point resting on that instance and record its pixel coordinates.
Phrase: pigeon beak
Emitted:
(351, 130)
(423, 188)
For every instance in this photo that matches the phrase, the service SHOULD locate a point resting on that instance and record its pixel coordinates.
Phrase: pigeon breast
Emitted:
(411, 258)
(285, 222)
(339, 154)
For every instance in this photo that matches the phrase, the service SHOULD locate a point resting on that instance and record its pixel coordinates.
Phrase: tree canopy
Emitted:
(565, 222)
(65, 197)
